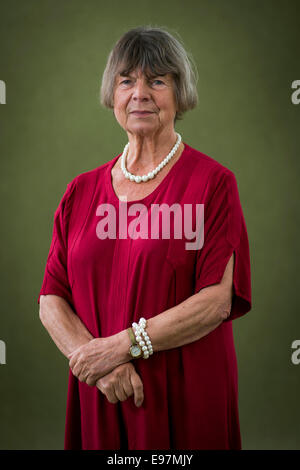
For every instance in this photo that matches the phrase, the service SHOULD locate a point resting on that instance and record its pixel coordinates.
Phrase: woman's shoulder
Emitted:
(205, 165)
(209, 176)
(90, 175)
(88, 178)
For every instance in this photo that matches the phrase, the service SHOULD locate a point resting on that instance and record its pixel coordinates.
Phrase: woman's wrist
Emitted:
(122, 346)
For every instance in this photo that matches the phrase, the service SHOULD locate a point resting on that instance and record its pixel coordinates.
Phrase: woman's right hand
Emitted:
(121, 383)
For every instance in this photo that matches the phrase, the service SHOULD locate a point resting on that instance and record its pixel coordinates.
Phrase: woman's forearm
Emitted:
(190, 320)
(64, 326)
(185, 323)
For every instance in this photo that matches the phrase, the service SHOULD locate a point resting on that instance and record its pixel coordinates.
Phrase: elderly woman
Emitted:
(145, 316)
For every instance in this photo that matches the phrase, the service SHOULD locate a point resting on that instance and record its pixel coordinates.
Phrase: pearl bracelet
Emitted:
(143, 324)
(146, 345)
(144, 342)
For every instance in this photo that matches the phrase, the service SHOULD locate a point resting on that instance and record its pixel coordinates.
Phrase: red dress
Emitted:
(190, 392)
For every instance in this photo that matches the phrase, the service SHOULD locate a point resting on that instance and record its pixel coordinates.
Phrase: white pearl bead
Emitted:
(144, 348)
(150, 175)
(142, 343)
(138, 338)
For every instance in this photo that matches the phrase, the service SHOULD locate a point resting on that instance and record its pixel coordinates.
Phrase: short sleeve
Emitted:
(56, 273)
(225, 233)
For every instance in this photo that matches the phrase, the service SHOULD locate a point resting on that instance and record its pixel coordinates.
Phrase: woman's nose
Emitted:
(141, 89)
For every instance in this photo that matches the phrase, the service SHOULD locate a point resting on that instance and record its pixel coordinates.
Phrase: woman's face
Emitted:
(137, 93)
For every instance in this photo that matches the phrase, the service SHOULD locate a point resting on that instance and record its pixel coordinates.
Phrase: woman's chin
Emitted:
(142, 129)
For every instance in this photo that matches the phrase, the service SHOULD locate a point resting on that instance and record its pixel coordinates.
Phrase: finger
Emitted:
(99, 385)
(87, 376)
(72, 353)
(120, 392)
(82, 376)
(76, 370)
(107, 390)
(73, 371)
(73, 361)
(138, 388)
(117, 383)
(127, 386)
(111, 396)
(80, 371)
(91, 381)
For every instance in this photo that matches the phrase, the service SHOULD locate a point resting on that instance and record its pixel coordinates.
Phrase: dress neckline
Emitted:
(162, 184)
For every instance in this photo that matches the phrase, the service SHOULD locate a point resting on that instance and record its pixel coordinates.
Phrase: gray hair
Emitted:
(156, 52)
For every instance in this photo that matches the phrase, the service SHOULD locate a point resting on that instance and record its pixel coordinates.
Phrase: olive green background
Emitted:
(52, 55)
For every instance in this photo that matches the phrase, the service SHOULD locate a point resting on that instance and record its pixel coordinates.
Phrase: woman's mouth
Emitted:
(141, 113)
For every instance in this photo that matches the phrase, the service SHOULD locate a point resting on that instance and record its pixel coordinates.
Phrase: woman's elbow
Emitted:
(42, 310)
(224, 311)
(225, 303)
(48, 303)
(219, 302)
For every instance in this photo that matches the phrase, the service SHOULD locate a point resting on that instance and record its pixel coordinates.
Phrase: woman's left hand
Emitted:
(121, 383)
(94, 359)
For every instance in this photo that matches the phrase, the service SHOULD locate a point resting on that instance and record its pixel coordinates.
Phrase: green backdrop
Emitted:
(52, 127)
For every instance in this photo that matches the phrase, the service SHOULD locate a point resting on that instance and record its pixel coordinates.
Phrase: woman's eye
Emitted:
(125, 82)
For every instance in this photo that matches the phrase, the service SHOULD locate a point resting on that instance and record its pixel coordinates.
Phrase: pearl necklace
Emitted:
(153, 173)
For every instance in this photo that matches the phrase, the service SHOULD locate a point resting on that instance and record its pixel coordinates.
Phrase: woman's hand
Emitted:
(121, 383)
(95, 359)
